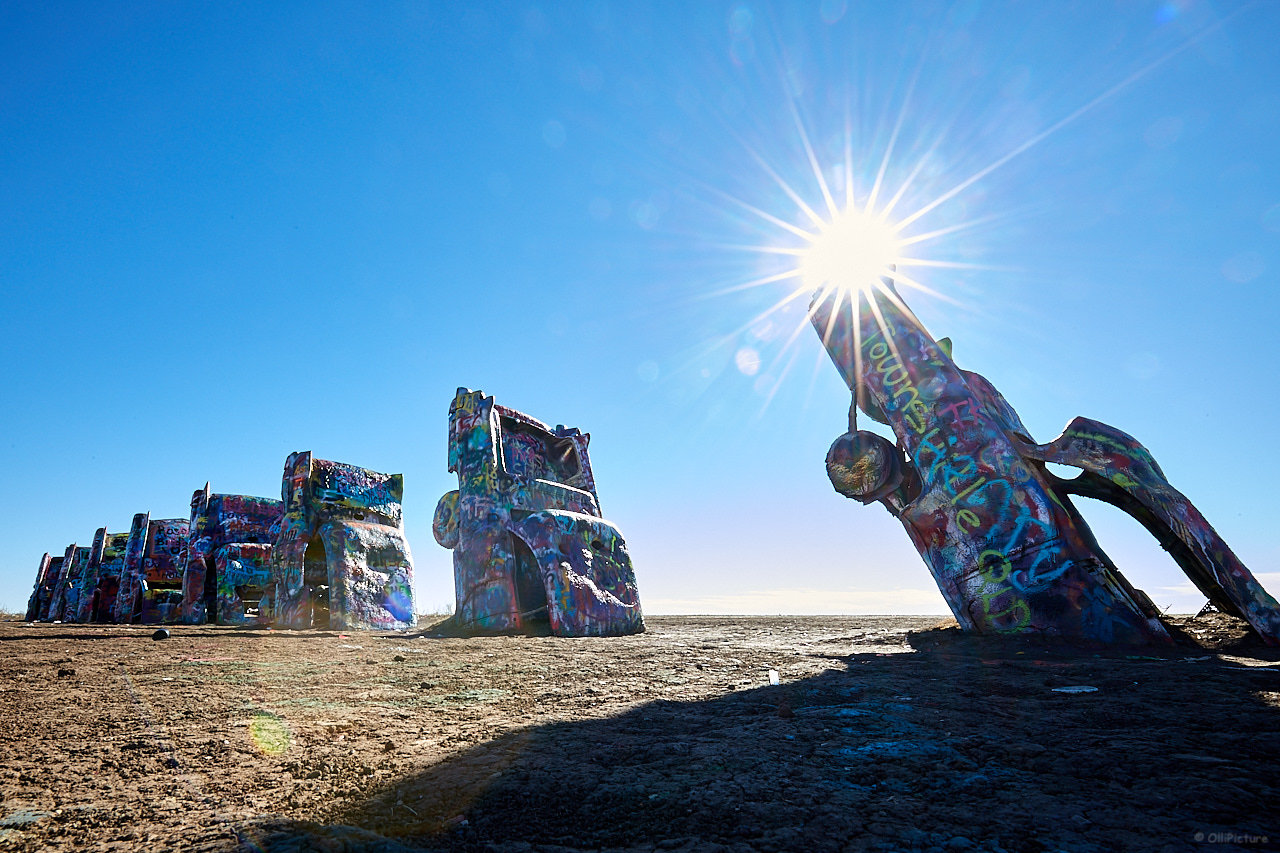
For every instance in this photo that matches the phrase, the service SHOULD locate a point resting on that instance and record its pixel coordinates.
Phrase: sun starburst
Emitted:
(851, 252)
(862, 226)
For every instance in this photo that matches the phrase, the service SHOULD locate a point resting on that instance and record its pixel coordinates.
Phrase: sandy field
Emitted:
(883, 733)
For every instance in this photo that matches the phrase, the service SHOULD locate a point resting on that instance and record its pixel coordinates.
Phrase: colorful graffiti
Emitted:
(46, 579)
(129, 597)
(529, 544)
(66, 589)
(89, 579)
(1119, 470)
(341, 559)
(227, 577)
(101, 581)
(999, 533)
(163, 561)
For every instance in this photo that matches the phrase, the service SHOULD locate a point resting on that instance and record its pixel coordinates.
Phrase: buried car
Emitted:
(158, 584)
(530, 547)
(997, 529)
(150, 589)
(227, 578)
(101, 580)
(341, 559)
(46, 580)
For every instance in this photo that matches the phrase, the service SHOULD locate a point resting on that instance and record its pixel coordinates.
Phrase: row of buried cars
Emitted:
(531, 550)
(332, 553)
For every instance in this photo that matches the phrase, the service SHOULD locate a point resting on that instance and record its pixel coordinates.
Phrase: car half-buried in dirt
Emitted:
(101, 581)
(151, 580)
(46, 580)
(228, 573)
(530, 548)
(341, 559)
(997, 529)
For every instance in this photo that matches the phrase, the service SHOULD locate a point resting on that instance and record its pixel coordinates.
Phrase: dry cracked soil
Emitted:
(883, 733)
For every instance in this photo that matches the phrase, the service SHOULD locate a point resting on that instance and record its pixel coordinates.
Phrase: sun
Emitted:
(869, 234)
(850, 253)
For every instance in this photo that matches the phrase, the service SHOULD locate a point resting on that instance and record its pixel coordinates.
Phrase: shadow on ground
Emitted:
(968, 744)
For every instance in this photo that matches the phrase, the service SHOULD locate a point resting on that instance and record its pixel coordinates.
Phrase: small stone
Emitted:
(399, 658)
(63, 673)
(160, 634)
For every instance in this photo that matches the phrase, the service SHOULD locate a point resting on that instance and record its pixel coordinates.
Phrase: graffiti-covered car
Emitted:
(46, 580)
(151, 581)
(101, 581)
(129, 597)
(227, 579)
(341, 559)
(66, 589)
(530, 547)
(997, 529)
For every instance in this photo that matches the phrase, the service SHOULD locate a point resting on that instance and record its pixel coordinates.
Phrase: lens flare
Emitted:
(851, 252)
(269, 733)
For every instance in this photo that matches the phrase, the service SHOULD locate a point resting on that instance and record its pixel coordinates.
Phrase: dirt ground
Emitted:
(882, 735)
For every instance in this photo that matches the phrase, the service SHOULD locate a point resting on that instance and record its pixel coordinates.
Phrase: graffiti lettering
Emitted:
(979, 509)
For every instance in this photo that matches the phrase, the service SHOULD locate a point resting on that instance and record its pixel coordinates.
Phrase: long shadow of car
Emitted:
(968, 744)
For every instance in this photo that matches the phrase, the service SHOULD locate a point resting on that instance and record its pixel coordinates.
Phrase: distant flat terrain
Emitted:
(884, 733)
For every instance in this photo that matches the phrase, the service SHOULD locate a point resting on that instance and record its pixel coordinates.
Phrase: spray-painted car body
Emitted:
(243, 589)
(1119, 470)
(129, 597)
(66, 592)
(227, 578)
(46, 580)
(88, 580)
(164, 558)
(1006, 546)
(110, 570)
(101, 582)
(529, 543)
(154, 555)
(341, 559)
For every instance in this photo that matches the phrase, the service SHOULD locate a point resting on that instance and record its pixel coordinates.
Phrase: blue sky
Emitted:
(229, 232)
